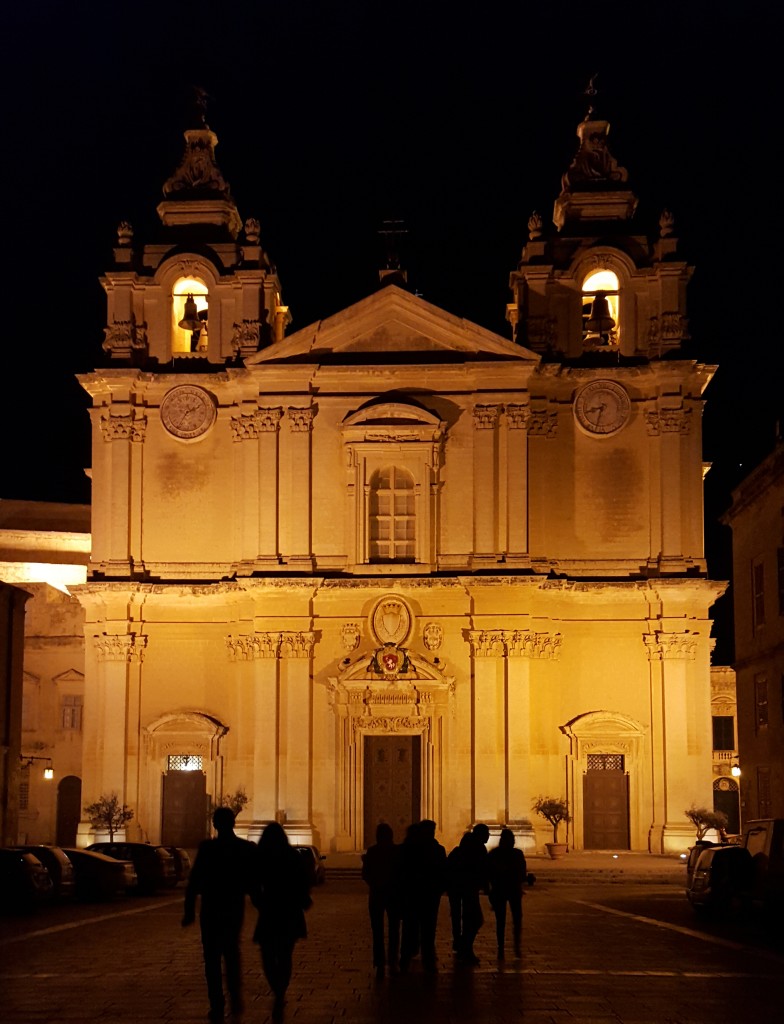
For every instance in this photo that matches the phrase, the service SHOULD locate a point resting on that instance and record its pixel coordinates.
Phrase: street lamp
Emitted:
(27, 760)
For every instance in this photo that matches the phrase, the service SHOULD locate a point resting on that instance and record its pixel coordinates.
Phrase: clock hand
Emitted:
(597, 409)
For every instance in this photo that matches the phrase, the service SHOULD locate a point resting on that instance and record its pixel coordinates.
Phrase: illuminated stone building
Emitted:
(392, 565)
(757, 521)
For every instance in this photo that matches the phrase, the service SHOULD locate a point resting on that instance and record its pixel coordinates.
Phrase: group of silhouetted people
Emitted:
(225, 870)
(406, 883)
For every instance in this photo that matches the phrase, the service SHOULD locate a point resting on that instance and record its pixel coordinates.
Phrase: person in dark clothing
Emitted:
(223, 872)
(381, 870)
(423, 864)
(282, 898)
(466, 877)
(508, 871)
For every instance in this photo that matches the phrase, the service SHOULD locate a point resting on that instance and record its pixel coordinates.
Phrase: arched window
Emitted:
(392, 513)
(189, 315)
(601, 310)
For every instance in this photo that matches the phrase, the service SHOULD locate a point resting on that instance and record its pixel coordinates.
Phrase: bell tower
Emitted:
(596, 290)
(206, 293)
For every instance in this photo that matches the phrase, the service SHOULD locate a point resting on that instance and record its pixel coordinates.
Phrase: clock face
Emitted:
(188, 412)
(602, 407)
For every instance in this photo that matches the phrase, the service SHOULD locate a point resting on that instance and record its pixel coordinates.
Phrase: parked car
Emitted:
(154, 865)
(24, 881)
(59, 867)
(722, 878)
(182, 862)
(314, 861)
(98, 877)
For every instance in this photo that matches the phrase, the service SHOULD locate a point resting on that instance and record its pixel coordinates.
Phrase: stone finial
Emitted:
(535, 226)
(593, 163)
(252, 231)
(124, 233)
(198, 175)
(666, 223)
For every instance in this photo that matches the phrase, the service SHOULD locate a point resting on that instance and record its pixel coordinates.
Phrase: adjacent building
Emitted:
(757, 520)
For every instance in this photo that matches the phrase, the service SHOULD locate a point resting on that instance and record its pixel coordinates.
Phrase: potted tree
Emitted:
(555, 811)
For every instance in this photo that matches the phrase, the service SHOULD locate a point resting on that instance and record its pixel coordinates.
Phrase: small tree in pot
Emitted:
(555, 811)
(107, 814)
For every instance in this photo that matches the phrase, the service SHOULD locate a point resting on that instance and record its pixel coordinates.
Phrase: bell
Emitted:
(600, 322)
(190, 320)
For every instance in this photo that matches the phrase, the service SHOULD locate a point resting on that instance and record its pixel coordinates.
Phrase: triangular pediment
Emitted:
(393, 324)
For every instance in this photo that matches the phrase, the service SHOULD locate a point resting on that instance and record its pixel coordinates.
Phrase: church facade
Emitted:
(394, 566)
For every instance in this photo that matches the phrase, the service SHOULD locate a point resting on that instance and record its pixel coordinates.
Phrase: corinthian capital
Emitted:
(300, 419)
(486, 416)
(127, 647)
(128, 427)
(671, 646)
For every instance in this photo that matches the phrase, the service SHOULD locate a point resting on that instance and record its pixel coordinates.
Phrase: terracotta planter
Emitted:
(556, 850)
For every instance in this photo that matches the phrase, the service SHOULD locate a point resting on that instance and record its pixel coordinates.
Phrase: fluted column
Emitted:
(300, 422)
(111, 761)
(489, 767)
(485, 489)
(675, 779)
(517, 417)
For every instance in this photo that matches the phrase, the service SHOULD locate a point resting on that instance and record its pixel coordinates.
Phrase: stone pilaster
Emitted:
(300, 422)
(485, 490)
(517, 418)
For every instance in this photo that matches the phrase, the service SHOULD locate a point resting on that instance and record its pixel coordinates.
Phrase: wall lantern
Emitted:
(27, 761)
(735, 770)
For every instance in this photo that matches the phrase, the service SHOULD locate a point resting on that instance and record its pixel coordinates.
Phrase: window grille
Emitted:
(184, 762)
(758, 595)
(24, 789)
(760, 702)
(605, 762)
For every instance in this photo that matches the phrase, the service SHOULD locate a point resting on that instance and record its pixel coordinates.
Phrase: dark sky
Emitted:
(334, 117)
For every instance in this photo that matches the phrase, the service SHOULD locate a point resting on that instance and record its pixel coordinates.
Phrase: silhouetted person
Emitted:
(381, 871)
(467, 876)
(507, 874)
(282, 898)
(223, 872)
(423, 864)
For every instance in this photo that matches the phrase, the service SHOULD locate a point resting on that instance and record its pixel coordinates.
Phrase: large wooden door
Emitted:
(184, 809)
(392, 783)
(69, 809)
(606, 803)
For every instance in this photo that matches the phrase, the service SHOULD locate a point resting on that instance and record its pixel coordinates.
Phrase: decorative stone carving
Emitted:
(127, 647)
(387, 723)
(297, 645)
(243, 426)
(252, 231)
(198, 171)
(668, 330)
(248, 647)
(502, 643)
(666, 223)
(390, 621)
(593, 162)
(128, 427)
(535, 226)
(124, 233)
(300, 419)
(540, 331)
(390, 661)
(663, 646)
(267, 420)
(668, 421)
(350, 635)
(121, 337)
(246, 337)
(518, 416)
(543, 423)
(486, 416)
(433, 636)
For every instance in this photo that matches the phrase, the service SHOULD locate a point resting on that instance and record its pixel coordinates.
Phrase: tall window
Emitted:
(601, 310)
(723, 732)
(780, 567)
(24, 789)
(392, 516)
(760, 703)
(71, 712)
(763, 792)
(758, 594)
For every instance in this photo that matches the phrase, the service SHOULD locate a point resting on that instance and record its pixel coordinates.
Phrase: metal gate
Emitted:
(392, 784)
(606, 803)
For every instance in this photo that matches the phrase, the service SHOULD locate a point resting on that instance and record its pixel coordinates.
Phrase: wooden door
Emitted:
(392, 783)
(606, 805)
(184, 818)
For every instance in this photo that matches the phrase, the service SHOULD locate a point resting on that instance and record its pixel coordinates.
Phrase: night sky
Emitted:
(332, 118)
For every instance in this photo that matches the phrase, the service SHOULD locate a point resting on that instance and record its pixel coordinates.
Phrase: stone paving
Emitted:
(131, 963)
